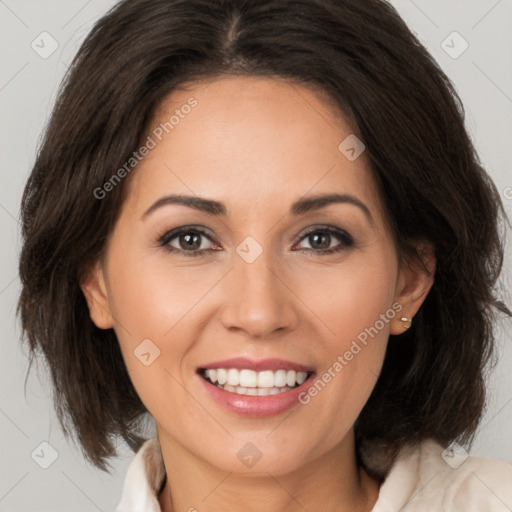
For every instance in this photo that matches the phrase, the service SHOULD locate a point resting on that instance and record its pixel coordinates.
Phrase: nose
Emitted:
(259, 298)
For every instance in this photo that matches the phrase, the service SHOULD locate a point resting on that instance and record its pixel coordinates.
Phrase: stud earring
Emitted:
(407, 321)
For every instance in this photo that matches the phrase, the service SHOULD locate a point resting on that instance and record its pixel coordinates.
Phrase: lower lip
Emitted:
(256, 406)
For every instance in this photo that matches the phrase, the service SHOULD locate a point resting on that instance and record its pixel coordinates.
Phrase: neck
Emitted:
(332, 482)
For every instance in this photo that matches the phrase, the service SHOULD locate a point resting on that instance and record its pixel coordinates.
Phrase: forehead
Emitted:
(249, 140)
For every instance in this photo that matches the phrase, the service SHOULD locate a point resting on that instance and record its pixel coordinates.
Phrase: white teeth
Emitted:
(249, 379)
(253, 391)
(212, 375)
(222, 376)
(233, 377)
(266, 379)
(301, 377)
(290, 378)
(280, 378)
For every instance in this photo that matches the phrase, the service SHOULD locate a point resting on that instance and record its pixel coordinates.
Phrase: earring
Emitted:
(407, 321)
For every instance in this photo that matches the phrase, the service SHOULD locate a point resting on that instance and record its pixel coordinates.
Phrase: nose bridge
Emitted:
(258, 301)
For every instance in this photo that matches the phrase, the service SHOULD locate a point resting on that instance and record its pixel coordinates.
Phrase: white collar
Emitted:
(419, 480)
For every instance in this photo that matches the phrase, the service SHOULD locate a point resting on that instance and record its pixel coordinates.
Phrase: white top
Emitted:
(421, 479)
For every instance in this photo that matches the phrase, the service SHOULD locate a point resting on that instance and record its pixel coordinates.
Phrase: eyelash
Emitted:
(346, 240)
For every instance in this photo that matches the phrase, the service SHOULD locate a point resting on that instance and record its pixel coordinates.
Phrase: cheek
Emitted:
(349, 301)
(158, 310)
(151, 298)
(349, 296)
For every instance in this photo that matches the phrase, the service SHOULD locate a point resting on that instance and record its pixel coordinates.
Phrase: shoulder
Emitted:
(428, 477)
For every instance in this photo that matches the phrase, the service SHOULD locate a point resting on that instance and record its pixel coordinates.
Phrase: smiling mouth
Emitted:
(252, 383)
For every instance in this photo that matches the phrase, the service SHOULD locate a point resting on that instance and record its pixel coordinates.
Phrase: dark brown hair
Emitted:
(398, 101)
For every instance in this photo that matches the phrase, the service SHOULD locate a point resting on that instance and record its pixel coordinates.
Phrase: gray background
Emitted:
(28, 83)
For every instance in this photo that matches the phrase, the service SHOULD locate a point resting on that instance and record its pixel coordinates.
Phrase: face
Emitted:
(259, 280)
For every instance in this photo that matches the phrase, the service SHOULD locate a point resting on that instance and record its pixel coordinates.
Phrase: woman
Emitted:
(264, 224)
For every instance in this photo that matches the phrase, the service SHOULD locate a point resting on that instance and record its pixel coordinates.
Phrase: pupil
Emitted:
(315, 237)
(191, 241)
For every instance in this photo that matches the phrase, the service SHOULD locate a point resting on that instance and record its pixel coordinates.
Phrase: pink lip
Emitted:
(256, 406)
(258, 366)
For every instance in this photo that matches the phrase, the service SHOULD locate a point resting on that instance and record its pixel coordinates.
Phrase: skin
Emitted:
(272, 142)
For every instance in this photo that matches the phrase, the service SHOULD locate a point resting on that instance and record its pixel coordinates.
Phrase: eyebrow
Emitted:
(299, 207)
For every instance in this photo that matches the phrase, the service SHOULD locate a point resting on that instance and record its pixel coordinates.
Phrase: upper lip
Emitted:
(273, 364)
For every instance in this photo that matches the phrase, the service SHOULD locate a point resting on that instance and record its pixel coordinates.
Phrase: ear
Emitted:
(94, 288)
(414, 282)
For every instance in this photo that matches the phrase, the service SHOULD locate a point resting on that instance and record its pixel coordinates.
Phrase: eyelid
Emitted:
(326, 228)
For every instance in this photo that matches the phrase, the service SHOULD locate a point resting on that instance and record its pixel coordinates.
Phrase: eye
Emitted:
(192, 241)
(320, 239)
(188, 241)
